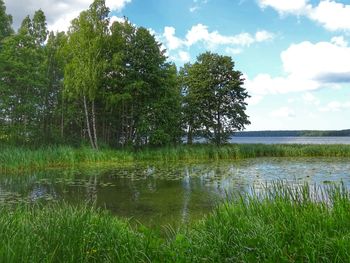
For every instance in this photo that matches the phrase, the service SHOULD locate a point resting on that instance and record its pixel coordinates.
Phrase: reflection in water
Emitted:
(169, 194)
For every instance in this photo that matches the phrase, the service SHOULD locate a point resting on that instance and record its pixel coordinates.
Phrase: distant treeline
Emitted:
(307, 133)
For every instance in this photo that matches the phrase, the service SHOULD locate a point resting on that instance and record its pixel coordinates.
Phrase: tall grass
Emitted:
(22, 158)
(282, 225)
(67, 234)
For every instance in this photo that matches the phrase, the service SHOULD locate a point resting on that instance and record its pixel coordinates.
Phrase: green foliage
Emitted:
(5, 22)
(214, 97)
(281, 224)
(109, 85)
(23, 77)
(86, 63)
(146, 97)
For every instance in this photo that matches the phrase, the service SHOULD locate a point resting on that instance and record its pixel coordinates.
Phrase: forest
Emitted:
(110, 84)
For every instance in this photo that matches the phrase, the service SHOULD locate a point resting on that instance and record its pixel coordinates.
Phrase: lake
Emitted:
(291, 140)
(168, 194)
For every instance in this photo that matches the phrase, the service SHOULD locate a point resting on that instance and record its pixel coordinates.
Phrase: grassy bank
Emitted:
(22, 158)
(282, 226)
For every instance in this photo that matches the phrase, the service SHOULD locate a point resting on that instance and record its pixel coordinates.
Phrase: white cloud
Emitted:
(233, 51)
(310, 98)
(323, 61)
(264, 84)
(172, 42)
(339, 41)
(194, 9)
(263, 35)
(200, 33)
(59, 13)
(335, 106)
(197, 4)
(286, 6)
(181, 57)
(307, 67)
(117, 4)
(330, 14)
(254, 99)
(178, 48)
(120, 20)
(284, 112)
(184, 56)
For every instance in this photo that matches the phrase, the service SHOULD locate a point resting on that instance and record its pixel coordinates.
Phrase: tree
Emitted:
(85, 70)
(53, 106)
(191, 108)
(5, 22)
(214, 97)
(142, 88)
(23, 78)
(39, 28)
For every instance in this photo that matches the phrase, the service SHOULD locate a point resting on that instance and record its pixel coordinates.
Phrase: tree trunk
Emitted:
(88, 124)
(94, 124)
(190, 135)
(62, 118)
(218, 135)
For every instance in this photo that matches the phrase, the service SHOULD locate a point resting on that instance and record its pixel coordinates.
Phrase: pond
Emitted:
(159, 195)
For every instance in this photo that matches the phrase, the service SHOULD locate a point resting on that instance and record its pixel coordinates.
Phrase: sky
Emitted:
(294, 54)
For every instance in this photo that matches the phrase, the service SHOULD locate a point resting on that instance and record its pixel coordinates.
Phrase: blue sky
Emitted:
(294, 53)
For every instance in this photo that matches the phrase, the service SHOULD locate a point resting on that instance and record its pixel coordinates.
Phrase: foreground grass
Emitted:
(22, 158)
(283, 225)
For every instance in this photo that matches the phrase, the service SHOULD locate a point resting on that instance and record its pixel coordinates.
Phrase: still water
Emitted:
(291, 140)
(167, 194)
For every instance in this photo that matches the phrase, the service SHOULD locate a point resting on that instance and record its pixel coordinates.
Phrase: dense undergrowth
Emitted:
(284, 224)
(14, 158)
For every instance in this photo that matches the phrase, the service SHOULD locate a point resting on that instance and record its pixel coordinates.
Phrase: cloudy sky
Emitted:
(294, 54)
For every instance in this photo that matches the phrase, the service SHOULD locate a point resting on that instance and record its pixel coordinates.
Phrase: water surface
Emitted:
(168, 194)
(291, 140)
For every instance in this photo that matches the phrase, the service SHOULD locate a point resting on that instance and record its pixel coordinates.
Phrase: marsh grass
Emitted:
(281, 224)
(63, 156)
(284, 224)
(67, 234)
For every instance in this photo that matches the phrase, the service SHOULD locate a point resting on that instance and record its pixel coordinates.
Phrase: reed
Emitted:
(283, 224)
(67, 234)
(62, 156)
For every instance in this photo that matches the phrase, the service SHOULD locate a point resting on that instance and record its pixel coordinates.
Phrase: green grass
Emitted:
(23, 158)
(283, 225)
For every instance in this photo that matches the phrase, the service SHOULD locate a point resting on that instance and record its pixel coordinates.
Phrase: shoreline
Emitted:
(19, 159)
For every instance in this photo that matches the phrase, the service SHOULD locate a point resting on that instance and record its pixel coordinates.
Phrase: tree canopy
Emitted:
(109, 85)
(5, 22)
(214, 97)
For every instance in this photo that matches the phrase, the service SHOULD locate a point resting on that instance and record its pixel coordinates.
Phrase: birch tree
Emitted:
(87, 62)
